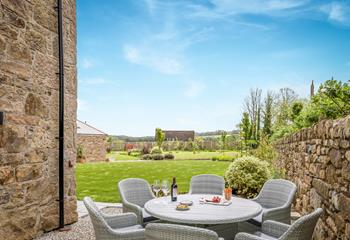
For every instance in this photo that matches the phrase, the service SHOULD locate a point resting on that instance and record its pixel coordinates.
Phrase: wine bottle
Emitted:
(174, 190)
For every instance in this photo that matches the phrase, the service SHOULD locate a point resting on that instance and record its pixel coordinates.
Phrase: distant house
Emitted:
(91, 143)
(171, 135)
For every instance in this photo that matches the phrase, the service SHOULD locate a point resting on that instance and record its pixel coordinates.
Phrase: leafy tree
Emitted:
(160, 136)
(252, 106)
(245, 127)
(268, 108)
(223, 138)
(296, 109)
(286, 97)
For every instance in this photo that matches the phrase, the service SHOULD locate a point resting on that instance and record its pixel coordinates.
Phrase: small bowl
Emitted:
(182, 207)
(186, 202)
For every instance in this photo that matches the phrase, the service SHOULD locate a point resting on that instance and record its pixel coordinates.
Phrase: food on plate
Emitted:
(216, 199)
(182, 207)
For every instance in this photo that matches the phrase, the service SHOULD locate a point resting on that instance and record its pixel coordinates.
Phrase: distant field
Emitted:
(179, 155)
(99, 180)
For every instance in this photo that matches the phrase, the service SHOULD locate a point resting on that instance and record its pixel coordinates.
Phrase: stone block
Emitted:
(345, 172)
(347, 230)
(344, 205)
(22, 71)
(321, 187)
(18, 51)
(29, 172)
(347, 155)
(4, 196)
(335, 157)
(6, 175)
(315, 199)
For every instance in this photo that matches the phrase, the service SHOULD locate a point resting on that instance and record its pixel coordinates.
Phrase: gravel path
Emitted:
(81, 230)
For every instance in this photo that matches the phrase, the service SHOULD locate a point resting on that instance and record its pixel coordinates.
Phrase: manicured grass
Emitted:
(179, 155)
(120, 156)
(99, 180)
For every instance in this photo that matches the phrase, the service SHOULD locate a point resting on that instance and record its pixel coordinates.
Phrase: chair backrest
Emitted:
(101, 227)
(303, 228)
(276, 193)
(162, 231)
(207, 184)
(135, 190)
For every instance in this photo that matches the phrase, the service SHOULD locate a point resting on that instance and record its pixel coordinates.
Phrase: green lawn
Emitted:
(179, 155)
(99, 180)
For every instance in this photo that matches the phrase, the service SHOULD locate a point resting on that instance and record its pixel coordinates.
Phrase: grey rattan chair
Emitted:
(160, 231)
(275, 197)
(114, 227)
(207, 184)
(134, 193)
(302, 229)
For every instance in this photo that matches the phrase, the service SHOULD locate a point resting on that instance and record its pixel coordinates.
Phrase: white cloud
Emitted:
(151, 5)
(194, 89)
(82, 105)
(87, 63)
(337, 12)
(153, 59)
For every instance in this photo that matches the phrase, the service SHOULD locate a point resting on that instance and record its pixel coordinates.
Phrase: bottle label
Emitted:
(175, 192)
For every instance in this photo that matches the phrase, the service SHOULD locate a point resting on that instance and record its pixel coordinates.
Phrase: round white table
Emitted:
(203, 214)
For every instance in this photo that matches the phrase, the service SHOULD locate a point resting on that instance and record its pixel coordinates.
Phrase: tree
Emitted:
(286, 97)
(268, 109)
(245, 127)
(223, 138)
(252, 107)
(160, 136)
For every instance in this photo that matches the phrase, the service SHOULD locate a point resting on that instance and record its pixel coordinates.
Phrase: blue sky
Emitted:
(187, 64)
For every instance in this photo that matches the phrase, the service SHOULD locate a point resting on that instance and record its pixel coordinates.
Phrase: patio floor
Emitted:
(83, 228)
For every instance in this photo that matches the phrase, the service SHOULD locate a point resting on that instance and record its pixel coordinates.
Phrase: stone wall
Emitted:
(29, 97)
(93, 147)
(317, 159)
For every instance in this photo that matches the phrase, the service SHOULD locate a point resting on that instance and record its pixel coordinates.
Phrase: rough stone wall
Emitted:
(29, 98)
(93, 147)
(317, 159)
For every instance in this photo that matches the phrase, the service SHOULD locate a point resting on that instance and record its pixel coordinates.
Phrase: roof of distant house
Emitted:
(84, 128)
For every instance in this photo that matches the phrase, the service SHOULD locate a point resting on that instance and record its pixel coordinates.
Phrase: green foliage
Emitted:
(296, 109)
(223, 138)
(268, 109)
(146, 157)
(169, 156)
(245, 127)
(265, 151)
(156, 150)
(135, 152)
(224, 158)
(333, 99)
(247, 175)
(157, 156)
(80, 151)
(160, 137)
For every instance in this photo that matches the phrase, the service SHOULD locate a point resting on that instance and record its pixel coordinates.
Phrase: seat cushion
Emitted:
(129, 229)
(147, 217)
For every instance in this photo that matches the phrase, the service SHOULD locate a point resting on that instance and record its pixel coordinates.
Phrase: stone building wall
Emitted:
(29, 97)
(317, 159)
(93, 147)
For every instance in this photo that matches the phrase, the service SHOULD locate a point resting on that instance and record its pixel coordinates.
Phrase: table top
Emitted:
(240, 210)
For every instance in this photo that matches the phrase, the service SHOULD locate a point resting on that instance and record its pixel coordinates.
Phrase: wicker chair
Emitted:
(275, 197)
(207, 184)
(114, 227)
(134, 193)
(162, 231)
(302, 229)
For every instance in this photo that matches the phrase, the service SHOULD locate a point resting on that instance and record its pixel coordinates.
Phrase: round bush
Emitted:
(247, 175)
(169, 156)
(156, 150)
(146, 157)
(157, 156)
(223, 158)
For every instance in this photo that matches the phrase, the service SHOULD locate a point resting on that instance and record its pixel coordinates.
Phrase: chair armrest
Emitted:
(247, 236)
(120, 220)
(130, 207)
(137, 234)
(275, 229)
(280, 214)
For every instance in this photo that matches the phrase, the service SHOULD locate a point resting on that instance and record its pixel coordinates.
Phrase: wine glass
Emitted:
(156, 187)
(165, 187)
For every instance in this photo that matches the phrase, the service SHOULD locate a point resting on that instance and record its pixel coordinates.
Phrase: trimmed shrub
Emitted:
(169, 156)
(147, 157)
(247, 175)
(223, 158)
(157, 156)
(134, 152)
(156, 150)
